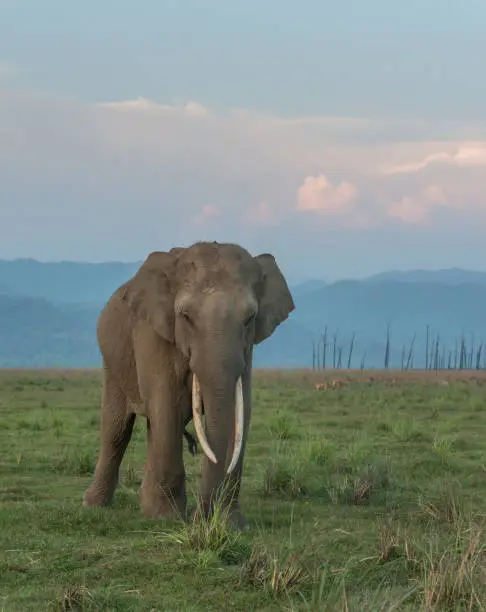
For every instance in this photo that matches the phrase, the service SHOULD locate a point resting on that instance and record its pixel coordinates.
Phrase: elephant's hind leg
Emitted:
(115, 433)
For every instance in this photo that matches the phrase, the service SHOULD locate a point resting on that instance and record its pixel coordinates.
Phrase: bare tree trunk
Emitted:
(351, 347)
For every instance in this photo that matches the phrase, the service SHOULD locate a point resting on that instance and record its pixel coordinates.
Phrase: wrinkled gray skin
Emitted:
(200, 310)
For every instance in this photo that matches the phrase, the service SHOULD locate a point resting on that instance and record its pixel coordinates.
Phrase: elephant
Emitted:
(176, 342)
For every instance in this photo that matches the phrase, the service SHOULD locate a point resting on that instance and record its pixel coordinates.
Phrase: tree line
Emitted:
(328, 353)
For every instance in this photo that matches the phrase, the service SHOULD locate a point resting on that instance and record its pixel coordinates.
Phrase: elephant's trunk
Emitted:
(238, 422)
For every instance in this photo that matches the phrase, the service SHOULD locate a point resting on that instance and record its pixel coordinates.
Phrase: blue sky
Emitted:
(346, 138)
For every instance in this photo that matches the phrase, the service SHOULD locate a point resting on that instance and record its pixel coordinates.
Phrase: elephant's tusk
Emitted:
(196, 414)
(239, 425)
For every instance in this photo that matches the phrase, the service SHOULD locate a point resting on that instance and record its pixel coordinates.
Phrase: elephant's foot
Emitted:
(97, 497)
(157, 504)
(235, 517)
(237, 521)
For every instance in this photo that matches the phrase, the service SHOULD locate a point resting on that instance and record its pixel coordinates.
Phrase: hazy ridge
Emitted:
(48, 314)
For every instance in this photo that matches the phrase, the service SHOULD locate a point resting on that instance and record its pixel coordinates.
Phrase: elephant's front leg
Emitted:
(163, 491)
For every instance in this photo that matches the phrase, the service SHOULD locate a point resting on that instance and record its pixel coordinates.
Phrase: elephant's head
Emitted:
(213, 302)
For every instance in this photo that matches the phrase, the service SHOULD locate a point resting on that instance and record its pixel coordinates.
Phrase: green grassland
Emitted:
(371, 497)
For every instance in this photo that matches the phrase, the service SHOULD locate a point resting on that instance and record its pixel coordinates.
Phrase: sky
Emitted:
(345, 138)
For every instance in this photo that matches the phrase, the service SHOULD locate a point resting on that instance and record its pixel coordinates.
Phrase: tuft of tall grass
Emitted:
(445, 506)
(279, 575)
(212, 538)
(357, 488)
(285, 426)
(80, 463)
(285, 475)
(75, 597)
(455, 577)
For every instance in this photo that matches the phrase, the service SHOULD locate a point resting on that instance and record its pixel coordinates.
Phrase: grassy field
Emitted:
(371, 496)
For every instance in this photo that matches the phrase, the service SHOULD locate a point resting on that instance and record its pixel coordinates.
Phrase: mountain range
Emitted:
(48, 314)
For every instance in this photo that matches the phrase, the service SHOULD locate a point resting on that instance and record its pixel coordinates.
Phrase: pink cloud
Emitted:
(143, 147)
(317, 194)
(409, 210)
(466, 156)
(144, 105)
(205, 215)
(471, 155)
(434, 195)
(416, 211)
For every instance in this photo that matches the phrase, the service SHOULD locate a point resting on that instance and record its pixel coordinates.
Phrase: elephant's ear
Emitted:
(276, 301)
(150, 293)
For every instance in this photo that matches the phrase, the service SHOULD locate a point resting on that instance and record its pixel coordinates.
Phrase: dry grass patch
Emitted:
(455, 578)
(280, 575)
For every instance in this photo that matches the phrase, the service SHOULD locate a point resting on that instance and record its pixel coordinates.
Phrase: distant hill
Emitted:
(36, 333)
(451, 276)
(48, 314)
(364, 308)
(306, 287)
(65, 281)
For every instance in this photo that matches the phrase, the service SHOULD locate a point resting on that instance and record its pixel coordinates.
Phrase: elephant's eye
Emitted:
(186, 317)
(249, 319)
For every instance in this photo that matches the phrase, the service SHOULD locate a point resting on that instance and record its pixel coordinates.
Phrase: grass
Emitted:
(370, 496)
